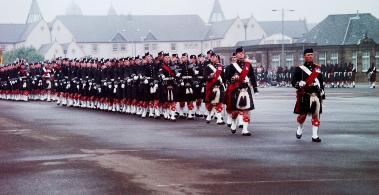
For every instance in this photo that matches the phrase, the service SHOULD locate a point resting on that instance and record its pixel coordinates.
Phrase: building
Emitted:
(115, 35)
(34, 33)
(338, 39)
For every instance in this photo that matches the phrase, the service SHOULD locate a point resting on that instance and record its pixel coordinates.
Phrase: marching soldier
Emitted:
(151, 86)
(240, 91)
(214, 89)
(186, 92)
(371, 72)
(199, 84)
(308, 81)
(168, 97)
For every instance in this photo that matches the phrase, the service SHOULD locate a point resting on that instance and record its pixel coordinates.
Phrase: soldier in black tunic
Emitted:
(371, 73)
(151, 70)
(168, 89)
(214, 74)
(186, 95)
(308, 81)
(239, 94)
(199, 83)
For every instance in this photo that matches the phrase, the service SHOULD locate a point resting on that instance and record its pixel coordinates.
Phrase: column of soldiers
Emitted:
(168, 86)
(336, 76)
(339, 76)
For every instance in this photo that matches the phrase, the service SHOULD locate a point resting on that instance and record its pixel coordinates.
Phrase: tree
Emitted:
(29, 54)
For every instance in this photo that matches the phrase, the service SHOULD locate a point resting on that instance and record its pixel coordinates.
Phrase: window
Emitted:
(377, 59)
(173, 46)
(322, 58)
(123, 47)
(354, 59)
(275, 61)
(94, 48)
(115, 47)
(289, 60)
(154, 47)
(365, 61)
(334, 58)
(146, 47)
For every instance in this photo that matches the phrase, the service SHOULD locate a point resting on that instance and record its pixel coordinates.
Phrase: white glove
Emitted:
(135, 78)
(302, 83)
(256, 94)
(123, 85)
(182, 84)
(146, 81)
(178, 75)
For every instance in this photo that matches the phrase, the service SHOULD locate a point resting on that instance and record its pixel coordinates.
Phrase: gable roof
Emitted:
(334, 28)
(15, 33)
(217, 30)
(293, 29)
(11, 33)
(135, 28)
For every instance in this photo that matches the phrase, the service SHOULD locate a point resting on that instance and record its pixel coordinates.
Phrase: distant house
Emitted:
(270, 32)
(114, 35)
(13, 36)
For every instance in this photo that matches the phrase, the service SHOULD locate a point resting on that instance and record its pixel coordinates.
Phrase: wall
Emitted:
(60, 33)
(235, 33)
(38, 36)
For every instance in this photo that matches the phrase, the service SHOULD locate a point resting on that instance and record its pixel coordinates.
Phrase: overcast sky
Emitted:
(15, 11)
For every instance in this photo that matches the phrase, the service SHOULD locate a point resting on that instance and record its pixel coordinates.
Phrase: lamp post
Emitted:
(283, 10)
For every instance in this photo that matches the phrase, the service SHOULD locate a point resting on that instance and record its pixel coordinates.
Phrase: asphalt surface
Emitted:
(49, 149)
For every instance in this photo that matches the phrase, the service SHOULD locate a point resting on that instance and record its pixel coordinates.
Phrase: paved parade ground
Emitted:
(49, 149)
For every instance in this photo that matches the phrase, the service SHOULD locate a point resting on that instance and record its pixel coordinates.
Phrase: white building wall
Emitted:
(7, 47)
(74, 51)
(253, 30)
(55, 51)
(19, 45)
(60, 33)
(235, 33)
(105, 50)
(38, 36)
